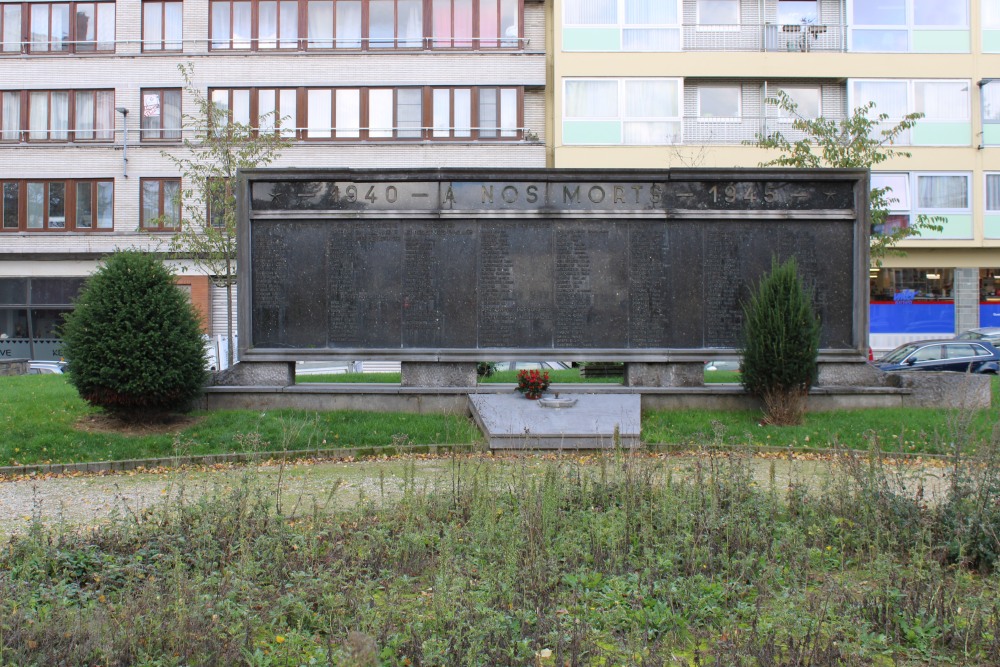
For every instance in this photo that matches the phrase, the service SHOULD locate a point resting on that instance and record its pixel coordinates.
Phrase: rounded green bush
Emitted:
(133, 341)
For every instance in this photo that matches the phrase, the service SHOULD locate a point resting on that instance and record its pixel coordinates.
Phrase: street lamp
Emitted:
(124, 112)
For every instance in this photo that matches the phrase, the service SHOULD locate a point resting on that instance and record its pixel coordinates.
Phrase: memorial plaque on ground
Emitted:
(426, 265)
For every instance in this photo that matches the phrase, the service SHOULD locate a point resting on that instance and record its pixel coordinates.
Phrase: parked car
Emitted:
(531, 366)
(46, 367)
(722, 365)
(990, 334)
(943, 355)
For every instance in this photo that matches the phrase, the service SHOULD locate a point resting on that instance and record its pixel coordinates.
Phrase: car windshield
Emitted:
(899, 354)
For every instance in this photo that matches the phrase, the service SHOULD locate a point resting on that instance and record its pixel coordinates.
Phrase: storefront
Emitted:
(31, 311)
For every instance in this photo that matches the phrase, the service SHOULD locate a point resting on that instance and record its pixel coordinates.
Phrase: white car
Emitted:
(46, 367)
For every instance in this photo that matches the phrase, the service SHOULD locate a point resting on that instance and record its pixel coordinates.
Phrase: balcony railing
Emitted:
(765, 37)
(734, 131)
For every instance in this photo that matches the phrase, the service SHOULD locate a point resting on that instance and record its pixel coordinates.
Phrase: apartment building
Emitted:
(674, 83)
(91, 97)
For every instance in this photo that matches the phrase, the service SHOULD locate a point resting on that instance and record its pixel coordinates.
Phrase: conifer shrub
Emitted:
(133, 341)
(780, 344)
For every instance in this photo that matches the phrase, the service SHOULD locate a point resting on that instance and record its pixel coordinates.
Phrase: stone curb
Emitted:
(99, 467)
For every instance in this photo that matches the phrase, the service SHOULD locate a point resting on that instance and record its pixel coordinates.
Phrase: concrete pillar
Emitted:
(966, 299)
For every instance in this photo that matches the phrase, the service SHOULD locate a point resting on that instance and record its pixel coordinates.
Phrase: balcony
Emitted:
(765, 37)
(734, 131)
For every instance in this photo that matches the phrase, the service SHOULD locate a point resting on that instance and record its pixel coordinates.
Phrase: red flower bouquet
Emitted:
(532, 383)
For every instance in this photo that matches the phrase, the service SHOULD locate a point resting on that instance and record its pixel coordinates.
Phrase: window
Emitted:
(10, 28)
(257, 24)
(622, 111)
(902, 25)
(52, 30)
(807, 100)
(261, 108)
(162, 26)
(161, 203)
(993, 192)
(452, 117)
(498, 113)
(990, 99)
(334, 24)
(718, 103)
(278, 25)
(59, 205)
(230, 28)
(395, 23)
(10, 116)
(718, 14)
(452, 24)
(161, 114)
(629, 25)
(235, 103)
(945, 104)
(991, 14)
(936, 194)
(57, 115)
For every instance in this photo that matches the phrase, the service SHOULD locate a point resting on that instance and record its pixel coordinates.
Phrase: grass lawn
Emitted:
(39, 414)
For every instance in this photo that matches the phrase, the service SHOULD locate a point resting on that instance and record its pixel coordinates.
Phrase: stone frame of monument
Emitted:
(454, 266)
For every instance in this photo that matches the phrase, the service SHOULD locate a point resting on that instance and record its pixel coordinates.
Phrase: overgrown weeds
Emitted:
(617, 559)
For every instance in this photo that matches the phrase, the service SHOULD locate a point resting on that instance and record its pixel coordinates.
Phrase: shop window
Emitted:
(161, 204)
(162, 26)
(161, 114)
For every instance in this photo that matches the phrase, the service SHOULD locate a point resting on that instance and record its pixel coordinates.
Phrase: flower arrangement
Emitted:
(532, 383)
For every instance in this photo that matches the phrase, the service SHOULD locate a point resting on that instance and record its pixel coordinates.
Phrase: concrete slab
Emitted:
(510, 421)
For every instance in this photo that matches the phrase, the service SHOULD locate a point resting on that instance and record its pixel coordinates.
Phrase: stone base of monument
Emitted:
(510, 421)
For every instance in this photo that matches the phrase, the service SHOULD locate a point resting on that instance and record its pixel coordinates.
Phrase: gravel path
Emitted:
(85, 500)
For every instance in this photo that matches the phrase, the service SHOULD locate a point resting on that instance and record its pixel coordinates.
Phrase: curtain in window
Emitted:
(509, 23)
(287, 116)
(106, 26)
(241, 25)
(348, 113)
(289, 33)
(173, 25)
(890, 97)
(993, 192)
(592, 99)
(650, 12)
(463, 112)
(591, 12)
(487, 112)
(220, 25)
(40, 28)
(38, 116)
(349, 24)
(60, 116)
(105, 205)
(241, 106)
(508, 112)
(10, 122)
(648, 107)
(380, 114)
(11, 27)
(991, 14)
(942, 100)
(60, 27)
(441, 105)
(152, 25)
(319, 24)
(990, 93)
(899, 189)
(267, 25)
(318, 113)
(150, 202)
(84, 116)
(104, 121)
(411, 23)
(171, 203)
(943, 192)
(171, 110)
(266, 110)
(381, 24)
(488, 28)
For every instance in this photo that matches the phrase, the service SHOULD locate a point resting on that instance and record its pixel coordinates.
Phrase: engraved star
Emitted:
(830, 195)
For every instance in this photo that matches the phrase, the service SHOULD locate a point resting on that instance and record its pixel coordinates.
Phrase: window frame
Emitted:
(717, 27)
(782, 116)
(908, 26)
(738, 118)
(161, 196)
(622, 115)
(21, 29)
(911, 208)
(70, 186)
(162, 39)
(72, 130)
(158, 134)
(986, 191)
(74, 45)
